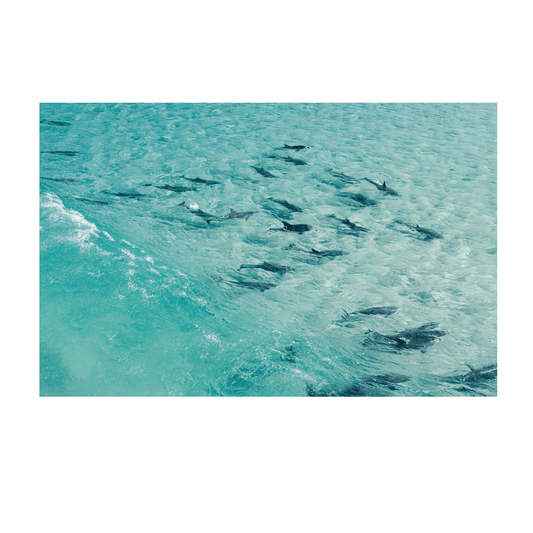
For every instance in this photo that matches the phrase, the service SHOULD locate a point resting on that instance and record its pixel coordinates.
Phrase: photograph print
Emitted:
(268, 249)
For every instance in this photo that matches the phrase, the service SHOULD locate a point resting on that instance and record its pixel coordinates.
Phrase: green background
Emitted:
(262, 474)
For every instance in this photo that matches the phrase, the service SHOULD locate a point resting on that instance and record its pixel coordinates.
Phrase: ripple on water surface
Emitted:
(141, 296)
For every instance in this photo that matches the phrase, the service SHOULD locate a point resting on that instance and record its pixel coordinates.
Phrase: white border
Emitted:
(30, 403)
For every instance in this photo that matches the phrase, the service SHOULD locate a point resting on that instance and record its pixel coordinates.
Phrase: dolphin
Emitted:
(428, 233)
(286, 204)
(383, 311)
(420, 338)
(197, 212)
(61, 152)
(256, 285)
(379, 311)
(125, 194)
(383, 187)
(474, 376)
(385, 379)
(264, 172)
(63, 180)
(296, 228)
(324, 253)
(355, 389)
(173, 188)
(280, 269)
(343, 177)
(327, 253)
(231, 215)
(359, 198)
(296, 147)
(55, 123)
(89, 201)
(365, 387)
(200, 180)
(352, 225)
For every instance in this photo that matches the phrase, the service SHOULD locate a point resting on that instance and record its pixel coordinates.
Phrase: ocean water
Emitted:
(138, 294)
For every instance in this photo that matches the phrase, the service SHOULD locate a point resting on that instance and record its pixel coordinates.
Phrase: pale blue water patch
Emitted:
(135, 292)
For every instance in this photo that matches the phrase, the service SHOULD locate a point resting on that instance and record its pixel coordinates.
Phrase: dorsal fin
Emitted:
(384, 184)
(315, 251)
(232, 211)
(470, 367)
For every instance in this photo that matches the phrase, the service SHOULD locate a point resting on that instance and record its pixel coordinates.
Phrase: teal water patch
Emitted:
(142, 291)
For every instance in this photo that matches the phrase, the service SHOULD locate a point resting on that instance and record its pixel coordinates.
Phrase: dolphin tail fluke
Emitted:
(345, 315)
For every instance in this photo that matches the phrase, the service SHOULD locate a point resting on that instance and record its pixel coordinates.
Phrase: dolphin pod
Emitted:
(420, 338)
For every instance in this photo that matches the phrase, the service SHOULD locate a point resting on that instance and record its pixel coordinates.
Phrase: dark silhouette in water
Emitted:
(270, 267)
(387, 379)
(296, 147)
(62, 180)
(90, 201)
(355, 315)
(197, 212)
(367, 387)
(293, 160)
(428, 234)
(359, 198)
(286, 204)
(379, 311)
(264, 172)
(474, 376)
(327, 253)
(231, 215)
(420, 338)
(295, 228)
(324, 253)
(62, 152)
(255, 285)
(352, 225)
(55, 123)
(383, 187)
(173, 188)
(201, 180)
(343, 177)
(125, 194)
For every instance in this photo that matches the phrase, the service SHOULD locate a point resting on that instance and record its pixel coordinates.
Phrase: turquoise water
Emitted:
(135, 292)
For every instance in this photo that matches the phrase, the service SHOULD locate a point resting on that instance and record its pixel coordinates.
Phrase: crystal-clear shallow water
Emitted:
(130, 298)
